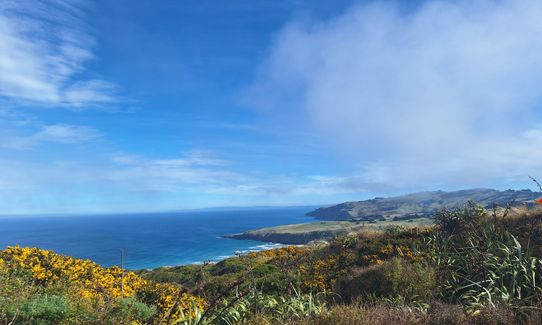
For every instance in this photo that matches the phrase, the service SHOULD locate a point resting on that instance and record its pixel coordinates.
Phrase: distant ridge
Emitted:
(419, 204)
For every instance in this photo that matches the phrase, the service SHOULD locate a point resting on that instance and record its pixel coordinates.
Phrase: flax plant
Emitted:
(480, 263)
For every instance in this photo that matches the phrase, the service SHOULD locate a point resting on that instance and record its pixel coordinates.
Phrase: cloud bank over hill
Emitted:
(440, 94)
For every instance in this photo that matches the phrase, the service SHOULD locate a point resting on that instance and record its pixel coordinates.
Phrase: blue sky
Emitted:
(109, 106)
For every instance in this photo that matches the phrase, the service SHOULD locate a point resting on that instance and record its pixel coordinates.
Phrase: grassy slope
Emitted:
(324, 230)
(348, 226)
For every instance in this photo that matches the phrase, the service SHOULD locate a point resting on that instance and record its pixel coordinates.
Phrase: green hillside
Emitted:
(304, 233)
(422, 204)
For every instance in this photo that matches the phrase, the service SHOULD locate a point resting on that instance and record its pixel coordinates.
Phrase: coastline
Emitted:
(264, 246)
(304, 233)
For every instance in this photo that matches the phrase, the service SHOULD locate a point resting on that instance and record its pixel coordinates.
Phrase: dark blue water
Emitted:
(148, 240)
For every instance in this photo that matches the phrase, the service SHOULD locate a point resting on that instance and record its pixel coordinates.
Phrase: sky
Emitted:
(140, 105)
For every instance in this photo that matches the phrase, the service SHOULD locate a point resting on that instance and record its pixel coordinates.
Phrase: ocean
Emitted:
(148, 240)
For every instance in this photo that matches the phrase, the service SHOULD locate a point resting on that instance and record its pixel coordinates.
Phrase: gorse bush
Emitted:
(48, 268)
(40, 286)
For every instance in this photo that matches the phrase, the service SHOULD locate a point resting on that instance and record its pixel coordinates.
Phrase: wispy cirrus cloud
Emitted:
(444, 93)
(44, 46)
(127, 182)
(63, 133)
(195, 170)
(56, 133)
(204, 172)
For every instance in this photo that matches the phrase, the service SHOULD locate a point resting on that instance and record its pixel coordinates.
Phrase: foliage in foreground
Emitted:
(472, 267)
(481, 263)
(40, 286)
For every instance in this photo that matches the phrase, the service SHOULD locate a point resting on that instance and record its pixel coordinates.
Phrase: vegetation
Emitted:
(305, 233)
(415, 205)
(473, 266)
(42, 287)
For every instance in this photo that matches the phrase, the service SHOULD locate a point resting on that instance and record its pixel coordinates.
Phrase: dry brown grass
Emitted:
(438, 314)
(376, 315)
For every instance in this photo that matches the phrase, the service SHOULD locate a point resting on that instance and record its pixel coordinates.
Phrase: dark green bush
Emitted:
(362, 281)
(265, 270)
(130, 309)
(227, 266)
(415, 282)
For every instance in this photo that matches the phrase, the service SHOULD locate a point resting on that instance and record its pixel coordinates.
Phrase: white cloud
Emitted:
(57, 133)
(447, 93)
(66, 134)
(128, 182)
(195, 170)
(43, 48)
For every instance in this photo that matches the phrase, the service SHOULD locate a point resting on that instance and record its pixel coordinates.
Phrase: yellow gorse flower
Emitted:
(93, 283)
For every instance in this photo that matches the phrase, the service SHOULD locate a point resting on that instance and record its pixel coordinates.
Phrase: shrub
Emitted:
(44, 283)
(45, 309)
(130, 309)
(414, 282)
(362, 282)
(229, 265)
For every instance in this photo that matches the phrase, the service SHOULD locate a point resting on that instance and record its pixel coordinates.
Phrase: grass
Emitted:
(325, 230)
(348, 226)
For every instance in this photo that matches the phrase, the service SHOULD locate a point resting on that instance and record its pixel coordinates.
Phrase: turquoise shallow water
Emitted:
(149, 240)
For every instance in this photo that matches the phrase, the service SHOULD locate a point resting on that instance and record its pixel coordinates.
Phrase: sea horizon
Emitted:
(149, 240)
(119, 213)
